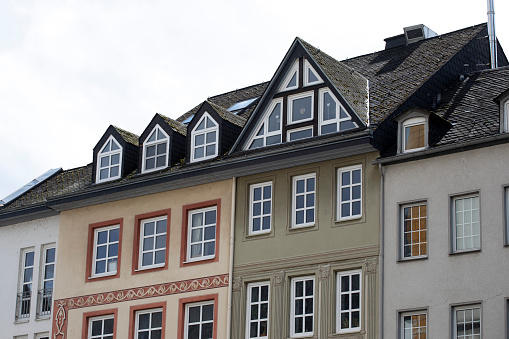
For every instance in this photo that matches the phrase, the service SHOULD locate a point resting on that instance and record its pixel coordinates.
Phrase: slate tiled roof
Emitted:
(128, 136)
(66, 182)
(396, 73)
(175, 125)
(350, 83)
(228, 116)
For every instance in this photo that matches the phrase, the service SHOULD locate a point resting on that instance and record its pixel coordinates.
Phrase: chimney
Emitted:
(491, 34)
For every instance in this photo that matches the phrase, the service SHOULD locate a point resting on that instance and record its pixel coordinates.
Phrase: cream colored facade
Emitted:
(173, 286)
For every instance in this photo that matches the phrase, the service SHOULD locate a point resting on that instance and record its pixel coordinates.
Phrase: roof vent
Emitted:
(418, 33)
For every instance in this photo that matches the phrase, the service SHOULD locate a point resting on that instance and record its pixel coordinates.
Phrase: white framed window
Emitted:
(414, 242)
(348, 304)
(467, 322)
(199, 320)
(300, 107)
(105, 256)
(300, 133)
(414, 136)
(101, 327)
(44, 335)
(506, 207)
(302, 306)
(349, 192)
(149, 324)
(155, 150)
(201, 234)
(291, 80)
(153, 233)
(310, 75)
(332, 115)
(303, 200)
(257, 310)
(414, 325)
(109, 161)
(24, 297)
(466, 223)
(269, 133)
(204, 143)
(260, 206)
(45, 294)
(505, 114)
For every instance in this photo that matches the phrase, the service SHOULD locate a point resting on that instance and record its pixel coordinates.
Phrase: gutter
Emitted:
(381, 255)
(230, 272)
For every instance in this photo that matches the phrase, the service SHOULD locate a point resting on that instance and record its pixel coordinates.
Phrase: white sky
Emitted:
(69, 69)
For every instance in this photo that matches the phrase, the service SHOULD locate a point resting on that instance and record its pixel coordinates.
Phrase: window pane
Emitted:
(414, 136)
(151, 151)
(329, 108)
(301, 108)
(274, 119)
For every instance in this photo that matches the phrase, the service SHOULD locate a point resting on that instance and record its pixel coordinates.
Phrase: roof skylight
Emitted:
(241, 105)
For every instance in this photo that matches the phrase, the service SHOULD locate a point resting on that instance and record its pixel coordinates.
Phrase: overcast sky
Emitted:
(69, 69)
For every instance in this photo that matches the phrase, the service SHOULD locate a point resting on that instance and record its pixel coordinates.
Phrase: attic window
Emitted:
(155, 150)
(506, 115)
(414, 136)
(333, 116)
(240, 106)
(204, 143)
(108, 162)
(300, 107)
(188, 120)
(291, 81)
(310, 75)
(269, 133)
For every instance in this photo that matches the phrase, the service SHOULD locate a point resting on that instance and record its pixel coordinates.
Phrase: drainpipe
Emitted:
(381, 258)
(230, 272)
(491, 34)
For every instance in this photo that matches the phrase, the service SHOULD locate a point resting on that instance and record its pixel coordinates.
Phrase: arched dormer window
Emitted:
(269, 133)
(155, 150)
(204, 143)
(109, 162)
(414, 136)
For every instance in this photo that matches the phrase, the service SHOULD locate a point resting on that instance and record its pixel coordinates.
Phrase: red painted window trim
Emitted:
(182, 312)
(185, 223)
(88, 315)
(90, 248)
(134, 309)
(136, 244)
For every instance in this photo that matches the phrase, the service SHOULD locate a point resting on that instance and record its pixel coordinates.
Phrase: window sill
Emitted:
(43, 317)
(299, 229)
(103, 277)
(150, 269)
(22, 321)
(422, 257)
(199, 261)
(346, 334)
(465, 252)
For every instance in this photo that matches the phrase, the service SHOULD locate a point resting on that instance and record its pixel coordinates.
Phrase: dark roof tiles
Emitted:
(174, 124)
(228, 116)
(127, 136)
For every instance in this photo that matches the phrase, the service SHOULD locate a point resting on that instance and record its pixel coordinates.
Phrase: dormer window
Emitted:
(301, 107)
(505, 113)
(155, 150)
(269, 133)
(333, 116)
(204, 139)
(414, 134)
(109, 165)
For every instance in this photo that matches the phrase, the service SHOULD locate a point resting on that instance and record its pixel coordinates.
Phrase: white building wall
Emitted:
(443, 279)
(13, 239)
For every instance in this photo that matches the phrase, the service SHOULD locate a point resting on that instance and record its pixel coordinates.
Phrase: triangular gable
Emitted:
(300, 85)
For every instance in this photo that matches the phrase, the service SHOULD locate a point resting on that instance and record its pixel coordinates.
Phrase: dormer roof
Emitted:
(174, 124)
(127, 136)
(227, 115)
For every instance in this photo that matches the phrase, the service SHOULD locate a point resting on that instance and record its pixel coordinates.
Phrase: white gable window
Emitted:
(291, 80)
(108, 161)
(333, 117)
(310, 75)
(269, 133)
(414, 136)
(300, 107)
(204, 139)
(155, 150)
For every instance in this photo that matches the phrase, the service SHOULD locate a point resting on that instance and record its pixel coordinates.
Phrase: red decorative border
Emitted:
(62, 306)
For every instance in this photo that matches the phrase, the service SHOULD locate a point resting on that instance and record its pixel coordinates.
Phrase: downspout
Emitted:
(491, 34)
(230, 272)
(381, 258)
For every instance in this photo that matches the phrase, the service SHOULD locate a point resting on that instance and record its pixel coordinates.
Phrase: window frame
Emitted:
(142, 238)
(42, 280)
(337, 120)
(506, 215)
(304, 177)
(290, 131)
(138, 309)
(351, 200)
(182, 314)
(462, 307)
(265, 123)
(89, 276)
(350, 310)
(252, 188)
(89, 317)
(147, 144)
(417, 312)
(249, 304)
(109, 154)
(453, 226)
(292, 306)
(413, 121)
(19, 316)
(402, 230)
(205, 131)
(297, 96)
(288, 77)
(505, 115)
(307, 66)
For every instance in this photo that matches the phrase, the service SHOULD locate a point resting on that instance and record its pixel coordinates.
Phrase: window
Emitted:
(300, 107)
(467, 322)
(310, 75)
(44, 335)
(149, 324)
(204, 139)
(101, 327)
(269, 133)
(413, 231)
(155, 150)
(45, 294)
(350, 192)
(25, 295)
(201, 242)
(300, 133)
(105, 257)
(291, 80)
(199, 320)
(108, 162)
(466, 224)
(333, 116)
(506, 115)
(414, 325)
(302, 306)
(257, 310)
(348, 304)
(153, 242)
(303, 200)
(260, 208)
(414, 137)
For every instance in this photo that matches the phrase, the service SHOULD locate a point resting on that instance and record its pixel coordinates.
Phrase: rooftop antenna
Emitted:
(491, 34)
